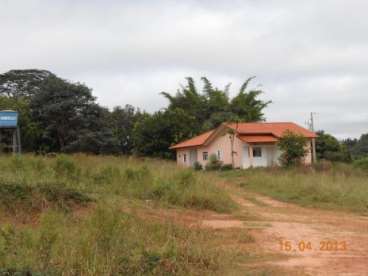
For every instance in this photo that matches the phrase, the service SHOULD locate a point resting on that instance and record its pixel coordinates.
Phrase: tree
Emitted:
(95, 134)
(217, 100)
(212, 106)
(349, 143)
(191, 102)
(217, 119)
(23, 83)
(122, 122)
(329, 148)
(58, 115)
(293, 147)
(360, 149)
(30, 130)
(154, 134)
(246, 105)
(61, 109)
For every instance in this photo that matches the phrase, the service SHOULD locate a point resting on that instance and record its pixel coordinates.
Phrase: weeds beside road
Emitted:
(339, 187)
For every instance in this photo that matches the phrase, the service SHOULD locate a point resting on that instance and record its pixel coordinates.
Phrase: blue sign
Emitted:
(8, 119)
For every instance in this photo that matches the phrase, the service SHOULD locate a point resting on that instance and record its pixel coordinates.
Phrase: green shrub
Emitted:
(197, 166)
(107, 175)
(227, 167)
(213, 163)
(65, 167)
(17, 196)
(293, 148)
(58, 193)
(188, 190)
(361, 163)
(138, 175)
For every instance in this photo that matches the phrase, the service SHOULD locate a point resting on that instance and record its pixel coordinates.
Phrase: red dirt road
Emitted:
(301, 241)
(317, 242)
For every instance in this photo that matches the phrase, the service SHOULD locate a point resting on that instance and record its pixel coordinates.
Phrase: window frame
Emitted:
(255, 149)
(185, 158)
(205, 155)
(219, 155)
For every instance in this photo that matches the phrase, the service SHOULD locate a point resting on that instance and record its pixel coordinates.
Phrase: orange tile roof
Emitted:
(195, 141)
(258, 138)
(276, 129)
(264, 132)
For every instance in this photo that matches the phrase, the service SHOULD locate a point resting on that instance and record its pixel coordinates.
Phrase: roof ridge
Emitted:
(285, 122)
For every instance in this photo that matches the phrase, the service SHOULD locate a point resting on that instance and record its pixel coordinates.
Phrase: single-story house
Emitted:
(243, 145)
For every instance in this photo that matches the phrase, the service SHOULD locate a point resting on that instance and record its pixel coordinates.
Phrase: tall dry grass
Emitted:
(340, 186)
(105, 240)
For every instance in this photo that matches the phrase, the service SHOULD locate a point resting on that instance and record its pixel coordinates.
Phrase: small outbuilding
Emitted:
(242, 145)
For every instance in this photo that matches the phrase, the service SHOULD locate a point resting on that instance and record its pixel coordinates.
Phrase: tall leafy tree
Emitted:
(23, 83)
(95, 134)
(213, 106)
(60, 108)
(246, 104)
(154, 134)
(30, 130)
(360, 149)
(57, 115)
(329, 148)
(191, 102)
(122, 121)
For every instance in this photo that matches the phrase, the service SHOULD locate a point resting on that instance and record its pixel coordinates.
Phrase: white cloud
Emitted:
(308, 55)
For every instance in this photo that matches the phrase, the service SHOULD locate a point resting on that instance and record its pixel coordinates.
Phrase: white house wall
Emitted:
(241, 156)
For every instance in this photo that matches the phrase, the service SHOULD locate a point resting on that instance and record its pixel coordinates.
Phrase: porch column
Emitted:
(250, 154)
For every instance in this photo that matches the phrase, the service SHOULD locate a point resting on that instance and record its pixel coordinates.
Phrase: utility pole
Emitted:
(311, 127)
(312, 120)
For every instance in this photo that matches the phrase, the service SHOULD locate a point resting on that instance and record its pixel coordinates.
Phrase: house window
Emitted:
(185, 158)
(219, 155)
(205, 155)
(257, 152)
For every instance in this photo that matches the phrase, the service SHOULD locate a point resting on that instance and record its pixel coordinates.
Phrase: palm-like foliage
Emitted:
(247, 105)
(213, 106)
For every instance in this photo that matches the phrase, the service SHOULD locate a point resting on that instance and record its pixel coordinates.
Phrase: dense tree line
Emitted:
(57, 115)
(330, 148)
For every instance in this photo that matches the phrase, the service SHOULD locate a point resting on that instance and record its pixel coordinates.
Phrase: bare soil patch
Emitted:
(272, 223)
(320, 229)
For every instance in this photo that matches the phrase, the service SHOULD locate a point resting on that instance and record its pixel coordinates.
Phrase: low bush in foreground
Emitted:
(340, 186)
(18, 196)
(183, 188)
(64, 180)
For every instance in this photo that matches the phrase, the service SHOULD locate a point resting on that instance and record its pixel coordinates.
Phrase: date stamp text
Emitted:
(302, 246)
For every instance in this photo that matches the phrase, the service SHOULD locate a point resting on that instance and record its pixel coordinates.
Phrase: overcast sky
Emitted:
(309, 55)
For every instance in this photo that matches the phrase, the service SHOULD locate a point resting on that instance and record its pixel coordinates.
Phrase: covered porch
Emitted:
(259, 151)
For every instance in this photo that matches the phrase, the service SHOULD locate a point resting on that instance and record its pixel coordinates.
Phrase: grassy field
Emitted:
(337, 187)
(103, 215)
(65, 215)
